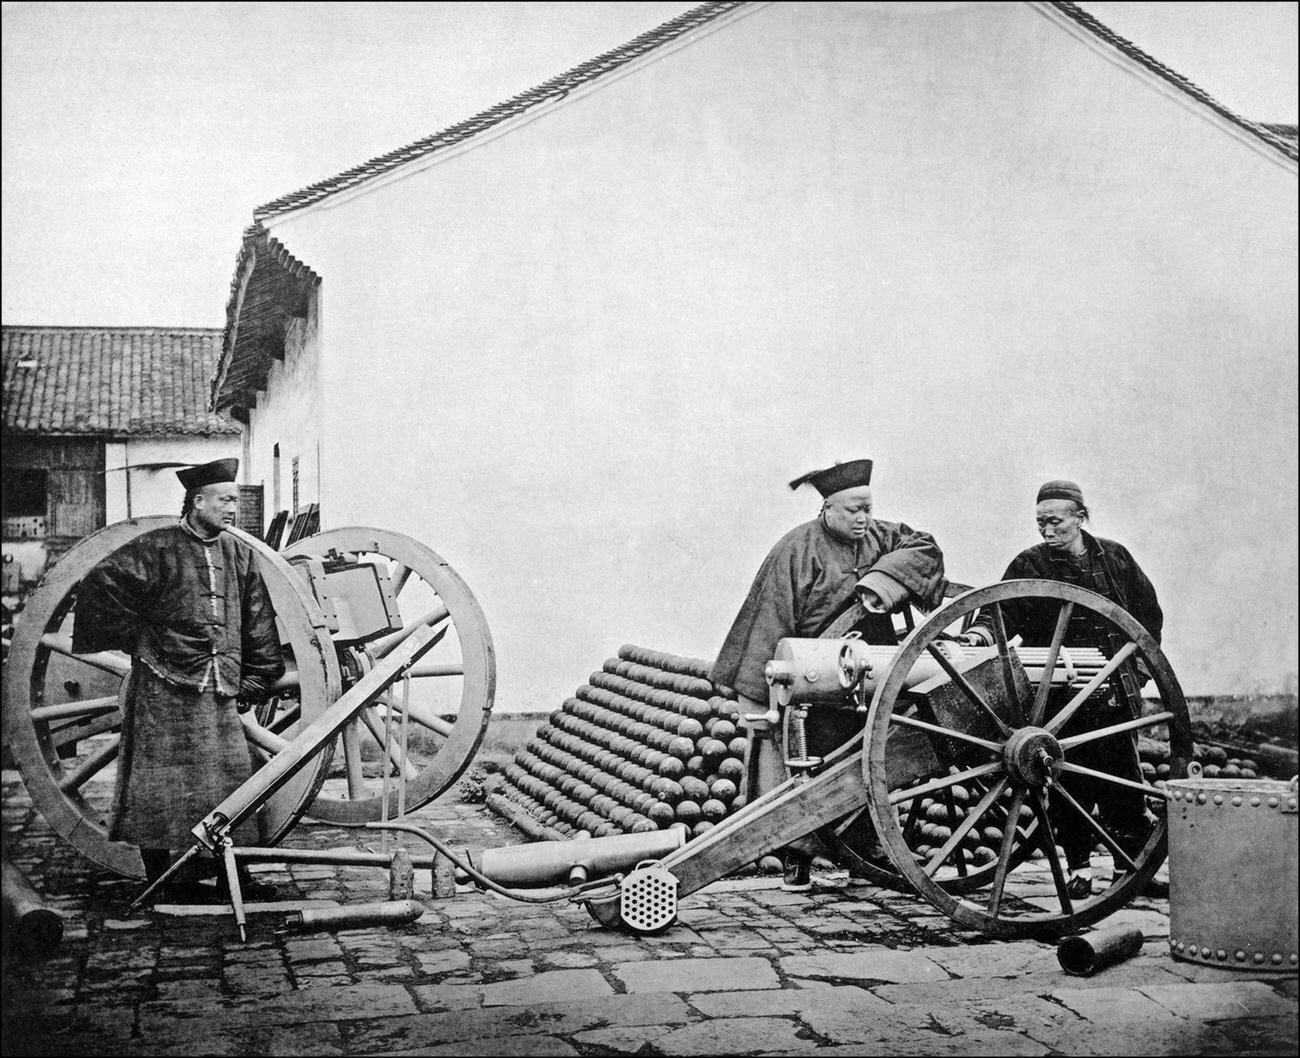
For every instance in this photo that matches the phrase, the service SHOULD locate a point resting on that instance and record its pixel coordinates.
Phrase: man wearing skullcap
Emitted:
(1072, 555)
(845, 557)
(188, 604)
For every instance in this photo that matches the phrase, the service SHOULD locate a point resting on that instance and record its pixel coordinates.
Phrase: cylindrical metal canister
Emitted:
(1085, 954)
(31, 928)
(355, 916)
(1232, 872)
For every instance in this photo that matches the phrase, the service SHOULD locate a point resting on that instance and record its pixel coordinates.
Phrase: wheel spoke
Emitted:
(1049, 665)
(91, 766)
(381, 648)
(422, 717)
(260, 736)
(1079, 769)
(398, 576)
(849, 820)
(975, 697)
(452, 669)
(376, 732)
(107, 660)
(913, 821)
(285, 720)
(942, 784)
(1121, 655)
(1004, 655)
(1101, 832)
(65, 710)
(352, 765)
(909, 721)
(1047, 842)
(1115, 729)
(960, 832)
(1007, 846)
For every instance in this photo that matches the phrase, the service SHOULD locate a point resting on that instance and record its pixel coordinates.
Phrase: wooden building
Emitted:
(579, 342)
(96, 419)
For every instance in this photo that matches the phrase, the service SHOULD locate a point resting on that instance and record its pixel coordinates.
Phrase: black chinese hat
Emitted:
(1060, 489)
(851, 475)
(213, 473)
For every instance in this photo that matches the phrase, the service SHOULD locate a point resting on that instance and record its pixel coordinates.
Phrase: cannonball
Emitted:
(983, 854)
(937, 813)
(689, 728)
(682, 748)
(731, 768)
(723, 790)
(668, 791)
(1216, 755)
(940, 834)
(1249, 773)
(712, 748)
(724, 730)
(693, 788)
(961, 795)
(1148, 770)
(1249, 765)
(1211, 771)
(738, 746)
(642, 802)
(672, 768)
(1230, 771)
(701, 827)
(590, 821)
(1162, 771)
(713, 810)
(653, 759)
(992, 836)
(662, 814)
(606, 830)
(688, 812)
(695, 764)
(739, 802)
(646, 826)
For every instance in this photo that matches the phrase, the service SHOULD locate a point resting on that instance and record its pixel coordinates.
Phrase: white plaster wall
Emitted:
(963, 240)
(288, 413)
(154, 491)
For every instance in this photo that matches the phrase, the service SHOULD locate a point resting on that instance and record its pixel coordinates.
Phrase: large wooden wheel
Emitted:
(448, 702)
(62, 719)
(1000, 747)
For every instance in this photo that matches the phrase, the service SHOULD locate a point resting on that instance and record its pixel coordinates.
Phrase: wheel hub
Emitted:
(1033, 757)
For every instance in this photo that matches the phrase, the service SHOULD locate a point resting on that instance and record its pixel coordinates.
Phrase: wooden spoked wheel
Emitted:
(999, 743)
(62, 717)
(447, 701)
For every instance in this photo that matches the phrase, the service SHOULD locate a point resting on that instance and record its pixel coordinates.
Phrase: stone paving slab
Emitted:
(749, 969)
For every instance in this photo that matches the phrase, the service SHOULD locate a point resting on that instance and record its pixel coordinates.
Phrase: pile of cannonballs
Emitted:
(645, 744)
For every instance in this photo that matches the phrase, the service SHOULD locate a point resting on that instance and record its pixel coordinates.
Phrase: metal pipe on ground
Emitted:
(1087, 953)
(31, 929)
(357, 916)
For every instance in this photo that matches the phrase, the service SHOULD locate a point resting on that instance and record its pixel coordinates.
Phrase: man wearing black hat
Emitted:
(815, 573)
(1072, 555)
(188, 604)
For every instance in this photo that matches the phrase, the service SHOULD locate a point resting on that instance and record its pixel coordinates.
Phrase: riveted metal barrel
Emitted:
(1232, 873)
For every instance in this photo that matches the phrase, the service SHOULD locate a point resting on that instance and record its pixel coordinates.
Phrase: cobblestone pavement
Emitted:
(748, 969)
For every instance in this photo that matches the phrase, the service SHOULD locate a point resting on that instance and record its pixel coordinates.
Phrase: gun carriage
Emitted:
(955, 760)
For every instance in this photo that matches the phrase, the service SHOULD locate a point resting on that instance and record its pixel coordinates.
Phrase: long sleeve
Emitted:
(113, 602)
(262, 660)
(912, 558)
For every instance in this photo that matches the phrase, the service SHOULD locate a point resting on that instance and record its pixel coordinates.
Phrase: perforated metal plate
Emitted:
(648, 899)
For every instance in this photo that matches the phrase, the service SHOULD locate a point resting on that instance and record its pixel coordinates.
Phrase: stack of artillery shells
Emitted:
(646, 744)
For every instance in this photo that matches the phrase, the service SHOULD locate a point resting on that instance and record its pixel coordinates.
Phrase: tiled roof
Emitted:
(1266, 133)
(558, 87)
(115, 381)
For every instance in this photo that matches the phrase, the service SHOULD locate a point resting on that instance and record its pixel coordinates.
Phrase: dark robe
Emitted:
(808, 579)
(197, 620)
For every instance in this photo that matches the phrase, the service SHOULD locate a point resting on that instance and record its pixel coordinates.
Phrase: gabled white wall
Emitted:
(581, 357)
(288, 413)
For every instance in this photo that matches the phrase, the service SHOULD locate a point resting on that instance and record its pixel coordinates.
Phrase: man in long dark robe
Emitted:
(1073, 556)
(814, 574)
(188, 604)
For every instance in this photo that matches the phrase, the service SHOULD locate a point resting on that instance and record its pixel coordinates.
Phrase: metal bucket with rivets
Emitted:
(1232, 872)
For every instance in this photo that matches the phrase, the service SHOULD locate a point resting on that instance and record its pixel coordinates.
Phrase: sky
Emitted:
(138, 138)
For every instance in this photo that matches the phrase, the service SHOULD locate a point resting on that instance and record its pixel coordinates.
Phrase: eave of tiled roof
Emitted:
(554, 89)
(269, 287)
(110, 381)
(1267, 133)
